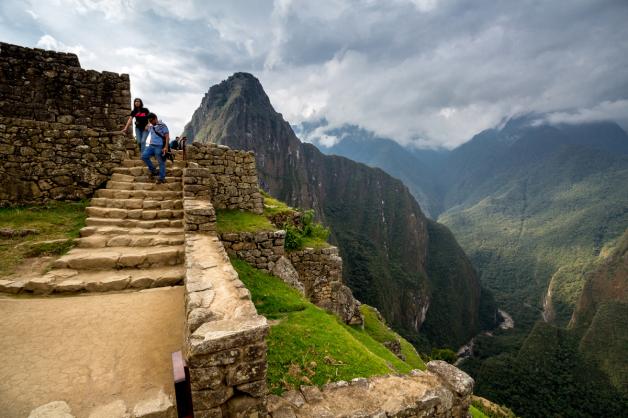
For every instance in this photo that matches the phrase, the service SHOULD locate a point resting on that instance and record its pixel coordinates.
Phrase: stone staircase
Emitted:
(133, 236)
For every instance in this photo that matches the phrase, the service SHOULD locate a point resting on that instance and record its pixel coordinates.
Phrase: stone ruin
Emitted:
(56, 142)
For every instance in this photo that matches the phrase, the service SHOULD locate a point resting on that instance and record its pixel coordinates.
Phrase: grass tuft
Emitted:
(241, 221)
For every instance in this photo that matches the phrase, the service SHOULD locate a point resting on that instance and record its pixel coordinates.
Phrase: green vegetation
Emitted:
(307, 345)
(375, 326)
(549, 377)
(305, 233)
(241, 221)
(53, 221)
(476, 413)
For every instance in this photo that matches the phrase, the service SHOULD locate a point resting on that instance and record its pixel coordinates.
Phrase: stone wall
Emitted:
(225, 346)
(442, 392)
(233, 181)
(198, 215)
(260, 249)
(54, 124)
(43, 161)
(320, 272)
(52, 87)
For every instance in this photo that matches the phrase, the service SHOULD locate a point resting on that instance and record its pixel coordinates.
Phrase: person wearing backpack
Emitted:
(140, 113)
(157, 146)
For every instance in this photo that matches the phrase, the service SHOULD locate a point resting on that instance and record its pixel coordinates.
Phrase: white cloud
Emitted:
(607, 110)
(423, 72)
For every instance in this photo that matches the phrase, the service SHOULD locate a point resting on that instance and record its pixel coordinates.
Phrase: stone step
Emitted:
(135, 223)
(123, 185)
(144, 214)
(143, 171)
(104, 202)
(116, 230)
(127, 240)
(71, 280)
(142, 178)
(120, 257)
(139, 194)
(140, 163)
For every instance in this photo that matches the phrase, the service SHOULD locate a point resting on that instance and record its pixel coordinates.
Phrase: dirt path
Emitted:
(87, 350)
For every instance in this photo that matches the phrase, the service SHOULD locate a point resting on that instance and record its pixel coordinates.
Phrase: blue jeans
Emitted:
(140, 137)
(155, 150)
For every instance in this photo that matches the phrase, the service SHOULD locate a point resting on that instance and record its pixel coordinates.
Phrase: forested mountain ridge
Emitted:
(383, 236)
(540, 208)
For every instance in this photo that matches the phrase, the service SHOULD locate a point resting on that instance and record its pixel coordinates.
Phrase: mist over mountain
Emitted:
(392, 253)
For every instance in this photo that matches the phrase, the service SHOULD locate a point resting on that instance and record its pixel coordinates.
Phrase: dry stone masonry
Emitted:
(225, 345)
(55, 124)
(320, 272)
(233, 182)
(260, 249)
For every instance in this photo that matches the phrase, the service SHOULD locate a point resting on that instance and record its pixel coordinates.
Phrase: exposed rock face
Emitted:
(285, 271)
(443, 391)
(379, 227)
(54, 124)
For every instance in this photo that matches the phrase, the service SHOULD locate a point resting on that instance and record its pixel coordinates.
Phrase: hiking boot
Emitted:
(154, 174)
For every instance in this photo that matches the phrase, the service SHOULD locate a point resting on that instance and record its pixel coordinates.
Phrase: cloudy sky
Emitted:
(422, 72)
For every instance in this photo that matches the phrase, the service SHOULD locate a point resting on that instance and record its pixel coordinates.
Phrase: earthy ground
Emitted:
(87, 350)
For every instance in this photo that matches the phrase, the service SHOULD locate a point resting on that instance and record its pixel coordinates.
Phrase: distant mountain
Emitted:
(418, 169)
(533, 203)
(389, 250)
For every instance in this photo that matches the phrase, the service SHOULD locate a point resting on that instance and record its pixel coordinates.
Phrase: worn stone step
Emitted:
(123, 185)
(139, 194)
(135, 223)
(72, 280)
(127, 240)
(117, 230)
(104, 202)
(142, 178)
(120, 257)
(143, 171)
(139, 163)
(144, 214)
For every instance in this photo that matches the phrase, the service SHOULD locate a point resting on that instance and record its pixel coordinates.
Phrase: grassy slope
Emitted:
(310, 346)
(56, 220)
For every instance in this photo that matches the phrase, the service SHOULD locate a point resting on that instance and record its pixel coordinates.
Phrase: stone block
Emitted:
(246, 372)
(206, 378)
(207, 399)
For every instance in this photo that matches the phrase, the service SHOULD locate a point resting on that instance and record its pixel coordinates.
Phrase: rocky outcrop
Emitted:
(441, 392)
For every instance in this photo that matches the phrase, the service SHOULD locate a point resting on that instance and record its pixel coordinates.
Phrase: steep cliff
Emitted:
(380, 230)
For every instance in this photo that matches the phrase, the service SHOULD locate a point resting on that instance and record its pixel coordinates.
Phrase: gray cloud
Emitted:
(428, 72)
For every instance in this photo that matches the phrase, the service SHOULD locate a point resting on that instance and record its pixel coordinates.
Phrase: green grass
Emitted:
(476, 413)
(378, 330)
(54, 221)
(273, 206)
(307, 345)
(240, 221)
